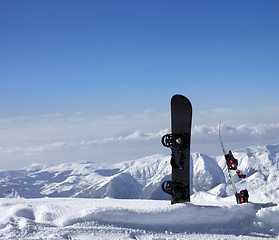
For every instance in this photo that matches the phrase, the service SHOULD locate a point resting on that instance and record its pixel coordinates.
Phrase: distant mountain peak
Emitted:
(142, 178)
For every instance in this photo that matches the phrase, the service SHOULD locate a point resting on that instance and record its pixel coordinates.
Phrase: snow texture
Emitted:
(125, 201)
(76, 218)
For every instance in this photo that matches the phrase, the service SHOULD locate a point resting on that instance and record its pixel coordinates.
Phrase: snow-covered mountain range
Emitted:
(78, 200)
(142, 178)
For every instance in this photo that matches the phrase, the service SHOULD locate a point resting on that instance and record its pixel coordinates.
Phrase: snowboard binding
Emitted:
(176, 189)
(176, 142)
(173, 162)
(240, 174)
(242, 197)
(231, 161)
(232, 164)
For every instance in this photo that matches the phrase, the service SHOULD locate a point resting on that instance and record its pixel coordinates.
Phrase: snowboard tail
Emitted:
(179, 143)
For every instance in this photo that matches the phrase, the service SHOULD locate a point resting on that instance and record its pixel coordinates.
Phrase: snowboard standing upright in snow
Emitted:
(179, 143)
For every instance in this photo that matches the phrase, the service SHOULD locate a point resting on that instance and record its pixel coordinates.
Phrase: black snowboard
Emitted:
(179, 142)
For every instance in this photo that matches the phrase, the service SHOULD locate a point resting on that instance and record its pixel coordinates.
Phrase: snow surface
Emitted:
(77, 218)
(82, 200)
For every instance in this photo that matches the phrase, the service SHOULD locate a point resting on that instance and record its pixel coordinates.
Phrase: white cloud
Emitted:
(59, 137)
(249, 131)
(138, 143)
(134, 136)
(206, 139)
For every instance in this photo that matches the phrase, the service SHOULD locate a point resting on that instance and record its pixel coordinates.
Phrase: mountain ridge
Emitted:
(142, 178)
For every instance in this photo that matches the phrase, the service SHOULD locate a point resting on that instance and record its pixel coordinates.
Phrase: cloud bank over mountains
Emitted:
(58, 138)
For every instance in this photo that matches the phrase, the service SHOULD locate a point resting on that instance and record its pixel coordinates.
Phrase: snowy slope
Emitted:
(77, 218)
(142, 178)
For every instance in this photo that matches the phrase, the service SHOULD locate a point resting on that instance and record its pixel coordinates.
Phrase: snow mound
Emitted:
(59, 218)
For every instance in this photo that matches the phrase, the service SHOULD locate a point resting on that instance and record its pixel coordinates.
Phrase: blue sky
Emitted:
(72, 71)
